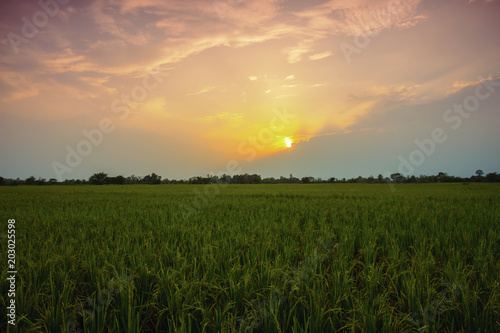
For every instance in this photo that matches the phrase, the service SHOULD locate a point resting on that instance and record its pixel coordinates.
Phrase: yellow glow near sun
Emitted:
(288, 142)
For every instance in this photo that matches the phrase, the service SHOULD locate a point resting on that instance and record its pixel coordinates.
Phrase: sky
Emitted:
(315, 88)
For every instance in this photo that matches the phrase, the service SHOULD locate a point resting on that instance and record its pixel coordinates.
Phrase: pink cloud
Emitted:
(362, 16)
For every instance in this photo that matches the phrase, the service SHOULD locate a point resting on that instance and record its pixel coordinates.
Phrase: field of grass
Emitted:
(255, 258)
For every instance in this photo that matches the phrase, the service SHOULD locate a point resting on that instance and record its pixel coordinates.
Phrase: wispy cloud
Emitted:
(319, 56)
(226, 116)
(362, 16)
(295, 53)
(202, 91)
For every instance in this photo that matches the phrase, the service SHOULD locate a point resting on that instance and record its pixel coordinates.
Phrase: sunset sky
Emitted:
(187, 88)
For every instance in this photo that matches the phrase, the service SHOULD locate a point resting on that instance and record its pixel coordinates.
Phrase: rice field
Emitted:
(254, 258)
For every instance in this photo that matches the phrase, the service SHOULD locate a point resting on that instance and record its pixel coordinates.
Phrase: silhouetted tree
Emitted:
(269, 180)
(256, 179)
(307, 180)
(30, 181)
(246, 179)
(442, 177)
(133, 179)
(100, 178)
(225, 178)
(118, 180)
(479, 173)
(195, 180)
(155, 179)
(151, 179)
(493, 177)
(397, 177)
(199, 180)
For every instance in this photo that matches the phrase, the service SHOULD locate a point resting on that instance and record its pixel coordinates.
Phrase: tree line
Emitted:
(102, 178)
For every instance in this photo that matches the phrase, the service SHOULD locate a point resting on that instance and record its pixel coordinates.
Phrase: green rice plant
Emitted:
(255, 258)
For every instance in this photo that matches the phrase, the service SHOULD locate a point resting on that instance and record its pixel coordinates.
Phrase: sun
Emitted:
(288, 142)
